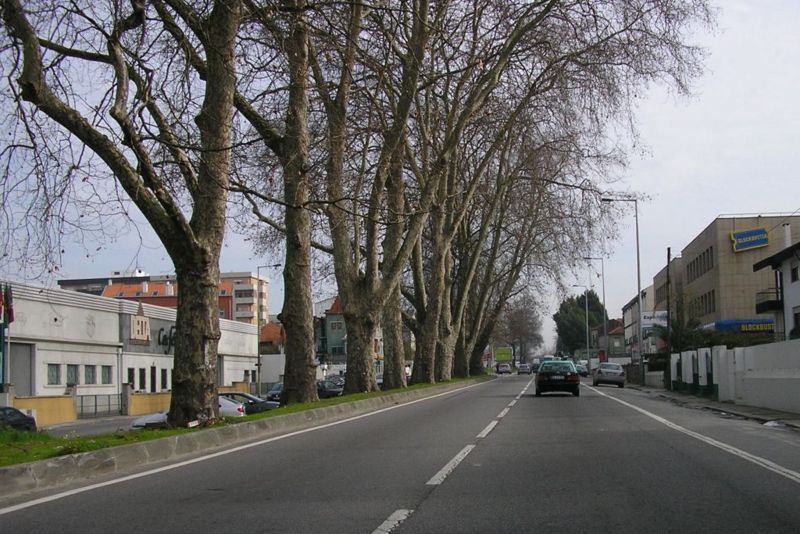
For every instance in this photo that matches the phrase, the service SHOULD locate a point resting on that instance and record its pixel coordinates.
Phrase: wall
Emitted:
(48, 410)
(766, 376)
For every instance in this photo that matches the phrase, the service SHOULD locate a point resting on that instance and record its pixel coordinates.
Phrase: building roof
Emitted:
(775, 260)
(337, 308)
(272, 333)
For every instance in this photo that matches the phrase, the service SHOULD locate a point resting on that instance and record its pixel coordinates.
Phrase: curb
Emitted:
(62, 470)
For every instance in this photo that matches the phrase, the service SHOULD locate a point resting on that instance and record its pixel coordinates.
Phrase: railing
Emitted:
(90, 406)
(767, 295)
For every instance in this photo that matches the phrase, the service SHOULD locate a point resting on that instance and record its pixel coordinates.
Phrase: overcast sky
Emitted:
(732, 148)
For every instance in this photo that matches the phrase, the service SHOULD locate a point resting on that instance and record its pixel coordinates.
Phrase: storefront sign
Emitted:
(749, 239)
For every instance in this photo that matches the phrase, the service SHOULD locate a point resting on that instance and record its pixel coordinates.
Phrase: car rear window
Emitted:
(564, 367)
(614, 366)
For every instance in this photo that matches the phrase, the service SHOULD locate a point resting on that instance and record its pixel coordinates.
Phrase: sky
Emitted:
(731, 148)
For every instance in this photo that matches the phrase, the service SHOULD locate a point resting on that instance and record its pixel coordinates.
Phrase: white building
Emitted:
(95, 344)
(783, 300)
(630, 317)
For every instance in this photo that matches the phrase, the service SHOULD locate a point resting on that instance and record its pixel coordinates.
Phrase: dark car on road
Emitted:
(252, 404)
(582, 370)
(13, 418)
(558, 376)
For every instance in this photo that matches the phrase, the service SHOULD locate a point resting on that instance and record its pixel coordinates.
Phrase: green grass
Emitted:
(18, 447)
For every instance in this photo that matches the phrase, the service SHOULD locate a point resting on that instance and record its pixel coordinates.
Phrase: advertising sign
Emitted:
(503, 354)
(652, 318)
(749, 239)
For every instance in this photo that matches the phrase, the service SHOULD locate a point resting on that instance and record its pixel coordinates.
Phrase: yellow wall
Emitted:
(237, 387)
(144, 403)
(49, 410)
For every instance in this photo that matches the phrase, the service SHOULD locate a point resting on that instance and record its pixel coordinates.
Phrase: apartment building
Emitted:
(243, 296)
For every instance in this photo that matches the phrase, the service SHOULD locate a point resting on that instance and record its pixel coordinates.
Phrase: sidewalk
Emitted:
(91, 427)
(762, 415)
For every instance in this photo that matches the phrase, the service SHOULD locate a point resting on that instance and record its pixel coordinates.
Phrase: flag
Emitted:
(8, 305)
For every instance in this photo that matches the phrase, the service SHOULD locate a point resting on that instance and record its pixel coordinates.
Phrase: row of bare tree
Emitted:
(442, 157)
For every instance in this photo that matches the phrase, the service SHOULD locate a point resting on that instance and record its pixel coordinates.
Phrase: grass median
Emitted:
(17, 447)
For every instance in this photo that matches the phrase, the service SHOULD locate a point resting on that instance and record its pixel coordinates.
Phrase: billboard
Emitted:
(503, 354)
(652, 318)
(749, 239)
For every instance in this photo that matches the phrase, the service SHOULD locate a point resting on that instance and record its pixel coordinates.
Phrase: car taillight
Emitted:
(240, 409)
(573, 377)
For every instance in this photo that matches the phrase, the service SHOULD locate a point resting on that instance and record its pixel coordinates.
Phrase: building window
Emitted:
(246, 375)
(132, 377)
(336, 325)
(143, 379)
(794, 275)
(155, 293)
(164, 384)
(89, 374)
(105, 372)
(72, 375)
(221, 314)
(53, 374)
(223, 292)
(138, 293)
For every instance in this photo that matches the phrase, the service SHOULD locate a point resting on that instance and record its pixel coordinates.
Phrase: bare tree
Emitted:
(105, 78)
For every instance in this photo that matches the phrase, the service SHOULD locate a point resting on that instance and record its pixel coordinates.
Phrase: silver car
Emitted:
(609, 373)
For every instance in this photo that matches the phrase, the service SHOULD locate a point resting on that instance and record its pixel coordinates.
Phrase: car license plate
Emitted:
(556, 377)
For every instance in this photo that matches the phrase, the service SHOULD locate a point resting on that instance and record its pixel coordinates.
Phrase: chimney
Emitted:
(144, 287)
(787, 235)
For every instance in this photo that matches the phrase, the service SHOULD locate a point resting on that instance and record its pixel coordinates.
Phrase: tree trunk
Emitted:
(361, 329)
(460, 359)
(194, 375)
(299, 379)
(394, 359)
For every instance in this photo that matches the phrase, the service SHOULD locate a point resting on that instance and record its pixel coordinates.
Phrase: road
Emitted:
(489, 458)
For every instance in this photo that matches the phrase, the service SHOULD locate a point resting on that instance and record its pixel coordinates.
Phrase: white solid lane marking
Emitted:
(397, 517)
(76, 491)
(489, 428)
(794, 476)
(439, 477)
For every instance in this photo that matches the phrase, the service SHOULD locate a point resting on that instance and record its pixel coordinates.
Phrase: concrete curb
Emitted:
(63, 470)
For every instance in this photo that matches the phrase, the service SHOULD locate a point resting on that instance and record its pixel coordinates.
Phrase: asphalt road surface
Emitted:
(488, 458)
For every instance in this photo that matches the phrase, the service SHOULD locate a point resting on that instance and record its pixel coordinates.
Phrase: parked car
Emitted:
(582, 370)
(13, 418)
(609, 373)
(504, 369)
(227, 408)
(252, 404)
(524, 368)
(328, 388)
(275, 393)
(558, 376)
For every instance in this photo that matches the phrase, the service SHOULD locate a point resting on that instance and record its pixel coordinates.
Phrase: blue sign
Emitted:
(746, 325)
(749, 239)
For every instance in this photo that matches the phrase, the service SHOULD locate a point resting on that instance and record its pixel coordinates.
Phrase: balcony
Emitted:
(769, 301)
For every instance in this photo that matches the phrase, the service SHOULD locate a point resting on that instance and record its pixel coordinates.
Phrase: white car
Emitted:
(227, 408)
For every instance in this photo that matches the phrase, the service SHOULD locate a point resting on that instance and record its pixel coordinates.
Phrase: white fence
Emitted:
(767, 376)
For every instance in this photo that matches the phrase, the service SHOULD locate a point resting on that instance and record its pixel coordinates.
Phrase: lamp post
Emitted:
(605, 319)
(258, 322)
(638, 277)
(586, 303)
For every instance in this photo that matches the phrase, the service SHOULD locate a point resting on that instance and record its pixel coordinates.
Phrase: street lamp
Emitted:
(638, 277)
(586, 302)
(605, 319)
